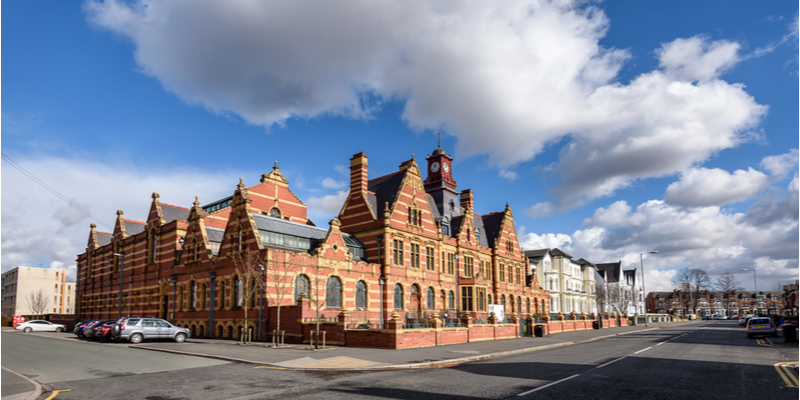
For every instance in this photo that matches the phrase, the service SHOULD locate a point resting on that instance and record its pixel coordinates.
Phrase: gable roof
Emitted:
(133, 227)
(539, 253)
(558, 252)
(383, 190)
(610, 271)
(492, 224)
(103, 238)
(171, 213)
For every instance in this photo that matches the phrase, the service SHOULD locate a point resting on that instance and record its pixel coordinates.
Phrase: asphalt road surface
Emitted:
(713, 360)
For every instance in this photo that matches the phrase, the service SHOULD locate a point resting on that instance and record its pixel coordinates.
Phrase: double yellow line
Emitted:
(786, 373)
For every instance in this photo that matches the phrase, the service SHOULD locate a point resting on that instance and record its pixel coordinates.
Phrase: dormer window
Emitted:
(452, 205)
(275, 212)
(446, 226)
(477, 234)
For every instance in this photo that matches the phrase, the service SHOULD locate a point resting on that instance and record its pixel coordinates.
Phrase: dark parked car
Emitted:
(103, 331)
(79, 327)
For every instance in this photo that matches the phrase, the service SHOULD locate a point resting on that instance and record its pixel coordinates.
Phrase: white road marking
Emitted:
(548, 385)
(643, 350)
(601, 366)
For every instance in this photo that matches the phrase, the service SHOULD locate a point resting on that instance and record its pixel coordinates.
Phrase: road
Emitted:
(711, 360)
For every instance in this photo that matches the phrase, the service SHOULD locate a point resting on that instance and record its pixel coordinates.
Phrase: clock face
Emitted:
(446, 167)
(434, 167)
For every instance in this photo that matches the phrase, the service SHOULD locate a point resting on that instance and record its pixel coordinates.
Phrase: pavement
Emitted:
(359, 358)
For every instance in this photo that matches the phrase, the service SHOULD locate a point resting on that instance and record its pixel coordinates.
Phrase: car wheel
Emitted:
(59, 329)
(179, 338)
(136, 338)
(28, 330)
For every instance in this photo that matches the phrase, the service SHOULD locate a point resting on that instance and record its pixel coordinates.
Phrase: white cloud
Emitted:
(330, 183)
(781, 164)
(510, 175)
(696, 59)
(323, 209)
(702, 187)
(704, 237)
(535, 69)
(38, 228)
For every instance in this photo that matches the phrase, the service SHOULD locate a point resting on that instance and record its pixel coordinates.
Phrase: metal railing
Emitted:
(417, 325)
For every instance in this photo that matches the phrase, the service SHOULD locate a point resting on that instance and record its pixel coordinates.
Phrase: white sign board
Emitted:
(498, 311)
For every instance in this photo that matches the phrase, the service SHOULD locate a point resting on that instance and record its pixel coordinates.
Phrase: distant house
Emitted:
(571, 282)
(622, 292)
(48, 286)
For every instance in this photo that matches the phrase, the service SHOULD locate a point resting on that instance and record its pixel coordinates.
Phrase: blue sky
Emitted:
(611, 128)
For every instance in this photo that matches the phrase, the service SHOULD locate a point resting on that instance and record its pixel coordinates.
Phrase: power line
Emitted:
(41, 183)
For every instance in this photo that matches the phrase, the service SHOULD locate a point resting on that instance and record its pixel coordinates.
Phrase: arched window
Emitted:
(238, 291)
(519, 305)
(333, 295)
(252, 292)
(398, 296)
(480, 301)
(301, 285)
(451, 300)
(503, 301)
(274, 212)
(528, 305)
(361, 295)
(193, 295)
(478, 235)
(431, 299)
(153, 246)
(489, 298)
(194, 249)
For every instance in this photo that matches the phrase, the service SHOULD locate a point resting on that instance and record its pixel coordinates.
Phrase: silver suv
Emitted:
(137, 329)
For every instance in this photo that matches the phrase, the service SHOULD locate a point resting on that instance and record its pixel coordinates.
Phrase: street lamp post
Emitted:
(755, 282)
(458, 297)
(174, 281)
(644, 290)
(382, 279)
(261, 268)
(121, 268)
(213, 277)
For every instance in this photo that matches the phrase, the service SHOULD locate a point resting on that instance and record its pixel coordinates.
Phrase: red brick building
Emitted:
(403, 250)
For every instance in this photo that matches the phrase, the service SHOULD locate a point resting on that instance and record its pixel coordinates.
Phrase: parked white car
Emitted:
(38, 325)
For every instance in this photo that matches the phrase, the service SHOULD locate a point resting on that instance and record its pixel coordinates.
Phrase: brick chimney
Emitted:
(466, 199)
(358, 173)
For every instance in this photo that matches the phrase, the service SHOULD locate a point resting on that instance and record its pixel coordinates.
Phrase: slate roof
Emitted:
(540, 253)
(133, 227)
(610, 271)
(492, 224)
(103, 238)
(630, 275)
(477, 222)
(582, 261)
(270, 224)
(558, 252)
(172, 213)
(434, 210)
(215, 234)
(383, 190)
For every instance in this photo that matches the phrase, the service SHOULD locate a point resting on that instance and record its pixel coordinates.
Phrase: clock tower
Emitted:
(440, 183)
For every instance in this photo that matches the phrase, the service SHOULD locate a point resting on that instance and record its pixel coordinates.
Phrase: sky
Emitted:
(611, 128)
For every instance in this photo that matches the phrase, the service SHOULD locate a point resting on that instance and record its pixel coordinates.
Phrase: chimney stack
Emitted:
(358, 173)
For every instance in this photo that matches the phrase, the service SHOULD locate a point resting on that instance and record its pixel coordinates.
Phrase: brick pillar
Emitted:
(466, 199)
(395, 323)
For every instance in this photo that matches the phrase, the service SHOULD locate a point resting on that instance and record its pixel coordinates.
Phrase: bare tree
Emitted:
(620, 298)
(727, 283)
(692, 281)
(279, 286)
(319, 296)
(247, 283)
(38, 301)
(600, 296)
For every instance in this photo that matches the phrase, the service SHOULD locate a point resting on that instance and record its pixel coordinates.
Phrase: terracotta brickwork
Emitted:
(434, 259)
